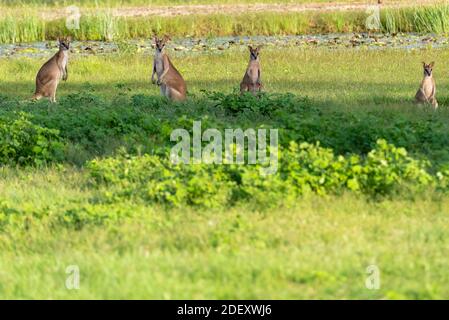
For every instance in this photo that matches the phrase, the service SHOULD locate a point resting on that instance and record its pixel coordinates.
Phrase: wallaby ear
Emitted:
(166, 38)
(250, 47)
(69, 39)
(432, 64)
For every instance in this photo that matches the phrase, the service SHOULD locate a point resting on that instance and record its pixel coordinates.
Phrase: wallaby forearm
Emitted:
(154, 72)
(166, 64)
(163, 74)
(424, 94)
(65, 74)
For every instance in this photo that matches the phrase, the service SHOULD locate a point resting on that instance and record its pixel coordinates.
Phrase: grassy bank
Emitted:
(26, 25)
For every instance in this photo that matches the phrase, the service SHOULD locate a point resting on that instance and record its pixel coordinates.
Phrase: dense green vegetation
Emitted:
(26, 25)
(362, 179)
(102, 120)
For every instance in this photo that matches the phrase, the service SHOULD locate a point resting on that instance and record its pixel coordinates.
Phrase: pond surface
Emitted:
(190, 45)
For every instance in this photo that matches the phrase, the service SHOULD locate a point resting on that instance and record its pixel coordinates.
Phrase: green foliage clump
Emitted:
(304, 168)
(263, 103)
(311, 168)
(157, 180)
(76, 215)
(24, 143)
(388, 166)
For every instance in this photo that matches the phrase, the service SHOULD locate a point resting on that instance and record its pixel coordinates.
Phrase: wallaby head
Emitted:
(160, 43)
(254, 52)
(64, 43)
(428, 68)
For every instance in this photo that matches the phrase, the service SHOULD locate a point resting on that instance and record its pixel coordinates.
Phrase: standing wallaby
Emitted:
(427, 90)
(170, 80)
(251, 80)
(52, 72)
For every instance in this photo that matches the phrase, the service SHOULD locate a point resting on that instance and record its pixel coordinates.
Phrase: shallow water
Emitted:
(191, 45)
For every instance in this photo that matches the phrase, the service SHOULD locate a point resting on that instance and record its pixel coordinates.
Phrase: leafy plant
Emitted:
(157, 180)
(387, 167)
(24, 143)
(304, 168)
(263, 103)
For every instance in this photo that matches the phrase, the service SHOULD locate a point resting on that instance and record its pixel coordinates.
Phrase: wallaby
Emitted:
(52, 72)
(170, 80)
(427, 90)
(252, 78)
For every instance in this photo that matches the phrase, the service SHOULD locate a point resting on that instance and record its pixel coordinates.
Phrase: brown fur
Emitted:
(52, 72)
(427, 90)
(170, 80)
(252, 79)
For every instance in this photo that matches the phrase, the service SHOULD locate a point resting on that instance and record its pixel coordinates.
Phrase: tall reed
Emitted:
(28, 26)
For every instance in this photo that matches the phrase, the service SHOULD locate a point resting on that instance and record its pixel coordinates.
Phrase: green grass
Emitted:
(26, 24)
(339, 77)
(318, 247)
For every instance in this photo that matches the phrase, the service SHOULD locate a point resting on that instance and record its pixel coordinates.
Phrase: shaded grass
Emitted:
(358, 86)
(353, 97)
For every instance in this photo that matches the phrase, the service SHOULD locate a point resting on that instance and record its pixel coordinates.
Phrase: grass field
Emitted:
(362, 182)
(55, 215)
(336, 77)
(321, 248)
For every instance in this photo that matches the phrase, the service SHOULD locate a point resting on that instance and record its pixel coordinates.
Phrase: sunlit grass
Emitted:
(341, 77)
(320, 248)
